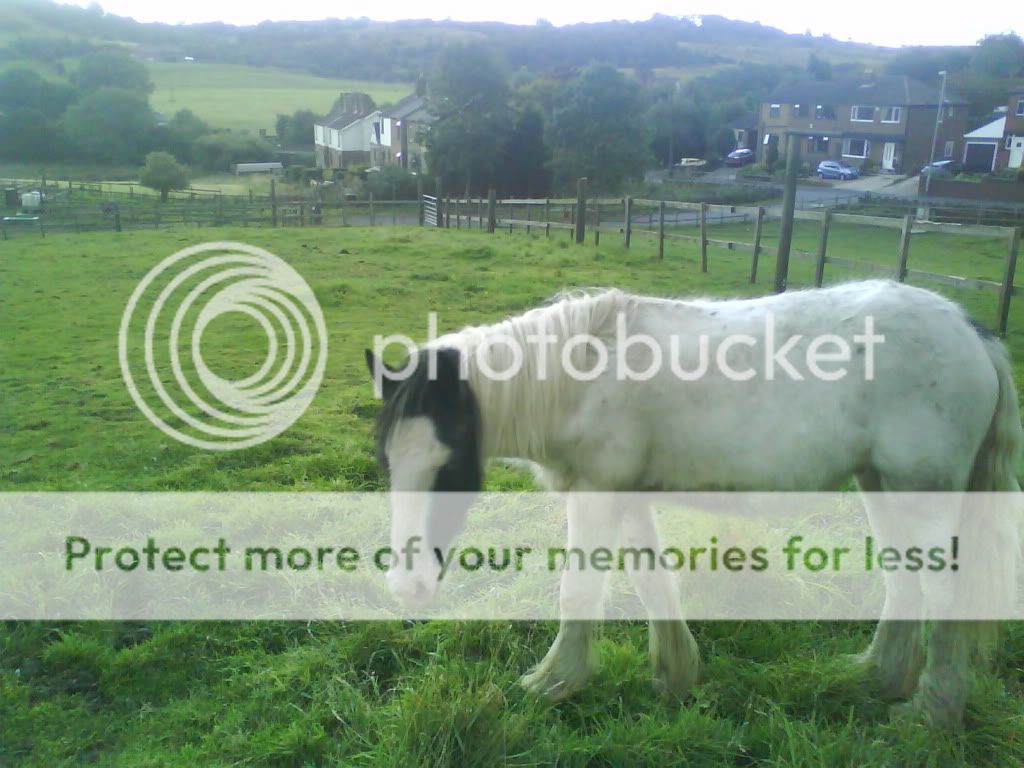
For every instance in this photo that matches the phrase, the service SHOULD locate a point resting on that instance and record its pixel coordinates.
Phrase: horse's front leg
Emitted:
(592, 522)
(675, 658)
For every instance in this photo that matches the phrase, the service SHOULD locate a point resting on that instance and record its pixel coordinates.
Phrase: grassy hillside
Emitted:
(248, 98)
(417, 693)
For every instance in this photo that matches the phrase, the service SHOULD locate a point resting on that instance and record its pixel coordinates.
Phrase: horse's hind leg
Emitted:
(569, 663)
(896, 656)
(674, 655)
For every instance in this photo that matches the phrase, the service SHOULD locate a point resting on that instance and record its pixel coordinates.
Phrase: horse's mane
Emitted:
(518, 411)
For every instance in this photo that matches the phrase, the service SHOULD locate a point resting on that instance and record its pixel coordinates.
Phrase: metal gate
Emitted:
(430, 211)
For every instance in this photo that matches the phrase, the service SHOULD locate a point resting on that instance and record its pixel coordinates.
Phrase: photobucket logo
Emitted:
(759, 352)
(177, 301)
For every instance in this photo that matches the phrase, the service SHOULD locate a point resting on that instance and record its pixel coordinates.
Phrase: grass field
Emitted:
(249, 98)
(412, 694)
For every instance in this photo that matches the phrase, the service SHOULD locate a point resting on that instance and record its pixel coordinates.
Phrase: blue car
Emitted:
(832, 169)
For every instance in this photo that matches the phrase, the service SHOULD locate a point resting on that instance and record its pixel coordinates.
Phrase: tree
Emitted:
(111, 69)
(297, 129)
(599, 132)
(999, 56)
(522, 170)
(163, 173)
(111, 125)
(28, 134)
(24, 88)
(470, 96)
(819, 68)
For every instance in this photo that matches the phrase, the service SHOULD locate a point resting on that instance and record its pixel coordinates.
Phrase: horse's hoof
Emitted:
(944, 718)
(545, 681)
(888, 686)
(676, 681)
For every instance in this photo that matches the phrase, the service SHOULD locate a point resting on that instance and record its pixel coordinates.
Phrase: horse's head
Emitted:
(428, 442)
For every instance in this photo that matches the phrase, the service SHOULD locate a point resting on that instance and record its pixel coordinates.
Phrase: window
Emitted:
(824, 112)
(891, 115)
(950, 111)
(863, 114)
(775, 110)
(948, 149)
(800, 110)
(820, 145)
(1020, 107)
(1009, 141)
(856, 148)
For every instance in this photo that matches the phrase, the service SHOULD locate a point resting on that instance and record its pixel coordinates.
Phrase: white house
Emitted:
(357, 134)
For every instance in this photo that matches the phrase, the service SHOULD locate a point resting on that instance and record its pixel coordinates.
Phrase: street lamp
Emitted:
(935, 135)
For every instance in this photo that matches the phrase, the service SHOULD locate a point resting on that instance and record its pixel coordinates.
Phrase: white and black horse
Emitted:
(933, 407)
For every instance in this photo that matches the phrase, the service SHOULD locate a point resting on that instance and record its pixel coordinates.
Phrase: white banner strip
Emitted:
(724, 556)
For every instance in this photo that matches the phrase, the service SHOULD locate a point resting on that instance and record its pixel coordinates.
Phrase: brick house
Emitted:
(1013, 137)
(884, 122)
(999, 144)
(411, 119)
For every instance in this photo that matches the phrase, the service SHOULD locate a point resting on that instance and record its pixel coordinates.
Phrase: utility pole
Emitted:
(935, 134)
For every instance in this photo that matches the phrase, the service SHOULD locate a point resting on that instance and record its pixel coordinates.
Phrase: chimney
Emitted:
(357, 103)
(421, 86)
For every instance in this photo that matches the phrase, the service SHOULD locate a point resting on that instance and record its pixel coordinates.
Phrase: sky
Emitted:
(882, 22)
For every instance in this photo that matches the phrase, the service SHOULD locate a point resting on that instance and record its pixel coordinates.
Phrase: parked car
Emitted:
(690, 162)
(740, 157)
(833, 169)
(943, 168)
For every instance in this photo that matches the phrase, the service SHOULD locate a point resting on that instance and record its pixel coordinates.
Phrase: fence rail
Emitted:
(631, 217)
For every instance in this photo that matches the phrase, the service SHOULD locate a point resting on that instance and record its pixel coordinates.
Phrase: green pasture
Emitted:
(406, 693)
(249, 98)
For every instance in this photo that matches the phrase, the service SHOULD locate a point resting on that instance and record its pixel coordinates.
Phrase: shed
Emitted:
(274, 168)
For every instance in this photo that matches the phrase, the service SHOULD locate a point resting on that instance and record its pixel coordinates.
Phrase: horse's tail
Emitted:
(990, 527)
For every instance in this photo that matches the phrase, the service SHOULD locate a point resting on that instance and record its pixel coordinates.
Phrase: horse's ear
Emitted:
(379, 373)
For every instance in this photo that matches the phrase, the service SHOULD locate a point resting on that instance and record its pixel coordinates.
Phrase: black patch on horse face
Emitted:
(447, 400)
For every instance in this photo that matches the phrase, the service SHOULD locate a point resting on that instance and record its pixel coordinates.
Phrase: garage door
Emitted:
(979, 157)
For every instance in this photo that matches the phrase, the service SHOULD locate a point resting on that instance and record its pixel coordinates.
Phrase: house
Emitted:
(354, 134)
(744, 131)
(1013, 138)
(882, 122)
(411, 119)
(998, 145)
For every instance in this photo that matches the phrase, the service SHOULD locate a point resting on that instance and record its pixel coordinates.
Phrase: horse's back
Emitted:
(925, 386)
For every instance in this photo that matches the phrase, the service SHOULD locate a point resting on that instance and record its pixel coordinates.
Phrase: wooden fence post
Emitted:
(905, 234)
(581, 210)
(492, 210)
(703, 237)
(419, 199)
(597, 223)
(627, 228)
(758, 230)
(529, 218)
(1007, 292)
(547, 217)
(788, 210)
(819, 264)
(661, 231)
(438, 209)
(273, 204)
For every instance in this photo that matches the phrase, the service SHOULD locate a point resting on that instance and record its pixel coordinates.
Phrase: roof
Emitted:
(895, 90)
(993, 130)
(412, 106)
(342, 119)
